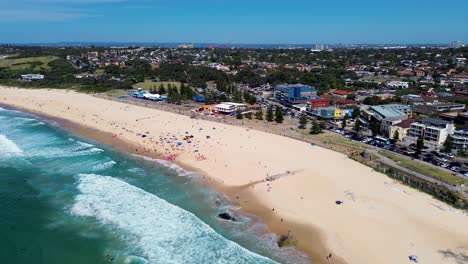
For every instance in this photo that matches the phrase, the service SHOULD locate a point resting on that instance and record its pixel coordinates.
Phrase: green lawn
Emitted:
(425, 169)
(36, 63)
(148, 84)
(332, 137)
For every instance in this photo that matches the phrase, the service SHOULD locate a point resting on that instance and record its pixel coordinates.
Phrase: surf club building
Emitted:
(228, 108)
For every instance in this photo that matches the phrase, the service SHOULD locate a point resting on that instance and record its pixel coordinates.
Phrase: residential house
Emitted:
(398, 84)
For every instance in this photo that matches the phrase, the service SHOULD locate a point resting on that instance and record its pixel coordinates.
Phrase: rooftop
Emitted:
(435, 121)
(341, 92)
(406, 123)
(390, 110)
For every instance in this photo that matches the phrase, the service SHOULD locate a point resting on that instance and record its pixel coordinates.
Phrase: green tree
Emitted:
(239, 114)
(161, 89)
(396, 136)
(344, 122)
(248, 115)
(356, 112)
(302, 120)
(279, 115)
(420, 143)
(448, 144)
(322, 126)
(316, 127)
(375, 127)
(237, 96)
(357, 126)
(270, 115)
(259, 115)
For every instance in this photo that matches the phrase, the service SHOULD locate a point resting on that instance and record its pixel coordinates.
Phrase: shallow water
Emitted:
(65, 199)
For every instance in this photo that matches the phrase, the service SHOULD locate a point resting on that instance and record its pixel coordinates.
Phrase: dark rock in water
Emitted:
(286, 241)
(227, 216)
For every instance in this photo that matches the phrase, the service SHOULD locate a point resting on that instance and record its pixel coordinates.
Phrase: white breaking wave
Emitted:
(8, 148)
(84, 145)
(104, 166)
(172, 166)
(164, 232)
(37, 124)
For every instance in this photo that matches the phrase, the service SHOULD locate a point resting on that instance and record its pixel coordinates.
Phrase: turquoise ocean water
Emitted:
(66, 199)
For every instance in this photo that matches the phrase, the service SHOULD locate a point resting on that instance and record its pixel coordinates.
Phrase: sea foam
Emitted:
(8, 148)
(170, 165)
(164, 232)
(104, 166)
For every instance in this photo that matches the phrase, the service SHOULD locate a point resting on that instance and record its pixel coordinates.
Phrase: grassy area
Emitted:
(36, 63)
(116, 92)
(332, 137)
(148, 84)
(425, 169)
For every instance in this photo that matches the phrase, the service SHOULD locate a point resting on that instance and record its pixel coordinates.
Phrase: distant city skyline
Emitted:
(234, 22)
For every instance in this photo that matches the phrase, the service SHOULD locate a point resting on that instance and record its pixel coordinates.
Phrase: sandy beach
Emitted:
(379, 221)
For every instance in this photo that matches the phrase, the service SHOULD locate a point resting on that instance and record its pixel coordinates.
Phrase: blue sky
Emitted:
(234, 21)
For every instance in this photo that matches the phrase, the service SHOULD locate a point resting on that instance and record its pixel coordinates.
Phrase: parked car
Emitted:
(444, 165)
(456, 169)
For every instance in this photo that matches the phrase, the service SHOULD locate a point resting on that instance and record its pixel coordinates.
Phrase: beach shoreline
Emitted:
(262, 214)
(301, 203)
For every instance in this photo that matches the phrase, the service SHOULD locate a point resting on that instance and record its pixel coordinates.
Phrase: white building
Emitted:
(433, 130)
(32, 76)
(300, 107)
(398, 84)
(460, 139)
(229, 108)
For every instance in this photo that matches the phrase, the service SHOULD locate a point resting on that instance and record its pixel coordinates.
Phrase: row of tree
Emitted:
(271, 115)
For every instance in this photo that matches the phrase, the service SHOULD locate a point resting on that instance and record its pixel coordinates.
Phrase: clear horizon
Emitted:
(233, 22)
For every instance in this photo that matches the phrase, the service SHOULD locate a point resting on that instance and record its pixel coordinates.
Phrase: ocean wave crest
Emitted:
(170, 165)
(8, 148)
(164, 232)
(104, 166)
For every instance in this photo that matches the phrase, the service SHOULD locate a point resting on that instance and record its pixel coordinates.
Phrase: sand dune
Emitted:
(380, 221)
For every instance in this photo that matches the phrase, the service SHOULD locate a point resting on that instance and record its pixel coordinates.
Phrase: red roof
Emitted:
(345, 102)
(320, 99)
(341, 92)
